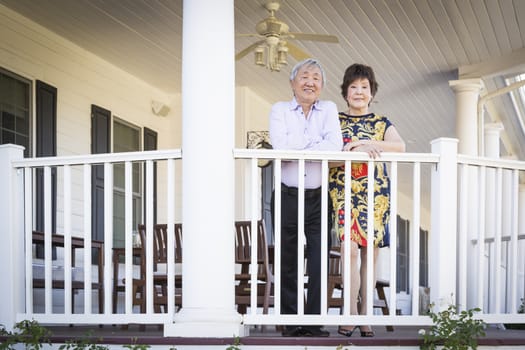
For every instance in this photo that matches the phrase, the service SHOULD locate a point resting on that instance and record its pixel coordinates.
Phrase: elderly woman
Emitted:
(363, 131)
(304, 123)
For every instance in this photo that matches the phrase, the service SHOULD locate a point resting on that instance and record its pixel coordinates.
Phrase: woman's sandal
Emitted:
(346, 332)
(367, 334)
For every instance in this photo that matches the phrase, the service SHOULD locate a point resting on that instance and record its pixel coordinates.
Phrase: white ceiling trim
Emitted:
(513, 63)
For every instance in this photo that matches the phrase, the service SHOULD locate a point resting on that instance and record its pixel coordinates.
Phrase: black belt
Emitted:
(308, 193)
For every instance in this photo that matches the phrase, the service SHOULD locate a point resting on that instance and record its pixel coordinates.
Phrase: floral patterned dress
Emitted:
(366, 127)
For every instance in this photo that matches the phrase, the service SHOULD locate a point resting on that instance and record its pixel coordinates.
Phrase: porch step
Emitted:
(403, 337)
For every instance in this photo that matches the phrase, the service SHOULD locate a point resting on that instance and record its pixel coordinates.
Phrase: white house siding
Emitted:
(82, 79)
(252, 114)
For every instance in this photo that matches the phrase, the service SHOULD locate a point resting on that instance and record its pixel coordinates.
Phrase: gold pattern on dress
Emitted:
(370, 127)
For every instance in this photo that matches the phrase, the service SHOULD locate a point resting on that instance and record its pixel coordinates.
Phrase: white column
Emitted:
(521, 211)
(208, 122)
(492, 150)
(492, 139)
(492, 133)
(12, 237)
(467, 95)
(507, 225)
(521, 244)
(443, 264)
(508, 193)
(467, 131)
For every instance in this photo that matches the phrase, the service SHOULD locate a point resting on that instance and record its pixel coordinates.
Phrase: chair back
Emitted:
(243, 247)
(142, 241)
(178, 243)
(160, 257)
(243, 255)
(160, 243)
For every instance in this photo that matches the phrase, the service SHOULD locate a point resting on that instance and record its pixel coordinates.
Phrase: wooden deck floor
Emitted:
(152, 335)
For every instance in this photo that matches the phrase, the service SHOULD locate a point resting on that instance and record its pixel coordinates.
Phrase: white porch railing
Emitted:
(412, 163)
(74, 188)
(460, 215)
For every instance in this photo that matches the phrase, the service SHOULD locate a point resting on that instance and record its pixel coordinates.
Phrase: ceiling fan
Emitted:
(274, 44)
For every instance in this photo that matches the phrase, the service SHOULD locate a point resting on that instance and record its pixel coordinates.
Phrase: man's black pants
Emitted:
(289, 238)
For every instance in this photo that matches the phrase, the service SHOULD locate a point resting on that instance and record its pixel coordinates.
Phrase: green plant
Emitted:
(29, 333)
(136, 346)
(453, 330)
(236, 344)
(82, 344)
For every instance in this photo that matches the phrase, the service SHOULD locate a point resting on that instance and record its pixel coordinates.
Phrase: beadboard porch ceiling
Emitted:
(415, 46)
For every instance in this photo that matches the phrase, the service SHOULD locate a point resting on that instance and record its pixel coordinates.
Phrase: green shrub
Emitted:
(29, 333)
(453, 330)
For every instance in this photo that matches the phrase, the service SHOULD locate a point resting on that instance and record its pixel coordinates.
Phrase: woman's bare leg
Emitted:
(355, 280)
(363, 288)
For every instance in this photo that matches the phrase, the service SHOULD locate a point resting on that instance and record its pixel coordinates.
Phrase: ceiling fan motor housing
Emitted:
(271, 26)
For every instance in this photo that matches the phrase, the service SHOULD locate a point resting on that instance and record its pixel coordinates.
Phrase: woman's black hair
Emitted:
(359, 71)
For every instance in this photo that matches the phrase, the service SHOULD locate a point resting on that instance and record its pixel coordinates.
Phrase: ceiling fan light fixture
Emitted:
(259, 56)
(282, 55)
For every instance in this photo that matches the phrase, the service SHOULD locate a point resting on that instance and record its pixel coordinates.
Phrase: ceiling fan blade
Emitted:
(314, 37)
(244, 52)
(251, 35)
(296, 52)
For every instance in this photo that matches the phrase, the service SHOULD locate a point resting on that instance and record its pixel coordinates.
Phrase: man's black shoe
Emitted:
(313, 331)
(292, 331)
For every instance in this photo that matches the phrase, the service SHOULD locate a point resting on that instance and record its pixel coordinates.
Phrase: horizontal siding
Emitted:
(82, 79)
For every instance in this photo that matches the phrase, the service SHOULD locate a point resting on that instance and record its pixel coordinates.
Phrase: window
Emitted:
(403, 250)
(111, 134)
(266, 201)
(15, 112)
(423, 258)
(126, 138)
(403, 256)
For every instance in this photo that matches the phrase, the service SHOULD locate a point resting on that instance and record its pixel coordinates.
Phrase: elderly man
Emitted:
(304, 123)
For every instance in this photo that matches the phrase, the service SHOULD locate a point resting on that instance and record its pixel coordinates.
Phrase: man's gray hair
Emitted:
(308, 62)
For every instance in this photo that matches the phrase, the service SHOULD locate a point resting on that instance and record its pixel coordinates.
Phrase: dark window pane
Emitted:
(136, 178)
(8, 121)
(126, 138)
(15, 110)
(118, 219)
(22, 125)
(118, 171)
(403, 251)
(20, 93)
(423, 256)
(23, 141)
(8, 137)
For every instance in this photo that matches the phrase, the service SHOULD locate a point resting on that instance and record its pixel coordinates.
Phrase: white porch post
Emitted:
(492, 139)
(208, 122)
(11, 236)
(467, 95)
(492, 150)
(521, 246)
(521, 210)
(492, 133)
(443, 262)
